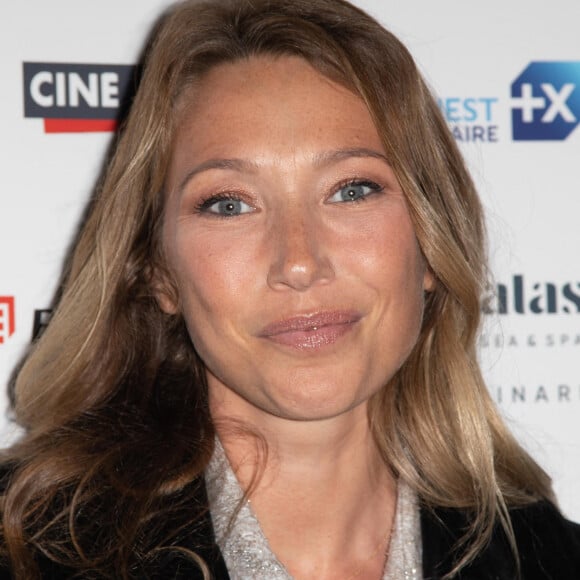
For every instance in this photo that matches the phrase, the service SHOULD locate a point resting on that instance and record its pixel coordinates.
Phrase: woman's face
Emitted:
(290, 242)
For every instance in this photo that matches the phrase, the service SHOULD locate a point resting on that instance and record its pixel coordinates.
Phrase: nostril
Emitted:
(300, 272)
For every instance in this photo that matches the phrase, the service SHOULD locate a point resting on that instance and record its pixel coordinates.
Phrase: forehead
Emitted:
(280, 101)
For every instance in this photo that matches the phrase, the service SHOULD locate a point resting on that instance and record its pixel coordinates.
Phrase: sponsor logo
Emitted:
(501, 341)
(559, 393)
(518, 296)
(471, 119)
(7, 318)
(521, 298)
(544, 106)
(76, 97)
(545, 101)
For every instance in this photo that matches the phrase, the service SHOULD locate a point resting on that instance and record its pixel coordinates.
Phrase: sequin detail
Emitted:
(405, 551)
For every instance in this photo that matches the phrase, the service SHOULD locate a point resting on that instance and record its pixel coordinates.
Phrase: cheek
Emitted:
(389, 255)
(213, 277)
(394, 267)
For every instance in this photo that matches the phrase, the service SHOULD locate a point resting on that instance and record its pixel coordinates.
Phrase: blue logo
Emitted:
(471, 119)
(546, 101)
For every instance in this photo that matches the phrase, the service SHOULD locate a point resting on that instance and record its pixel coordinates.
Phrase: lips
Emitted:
(311, 331)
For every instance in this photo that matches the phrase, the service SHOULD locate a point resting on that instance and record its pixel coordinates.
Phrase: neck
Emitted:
(324, 497)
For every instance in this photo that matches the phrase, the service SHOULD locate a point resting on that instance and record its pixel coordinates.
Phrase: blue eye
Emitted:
(224, 206)
(354, 191)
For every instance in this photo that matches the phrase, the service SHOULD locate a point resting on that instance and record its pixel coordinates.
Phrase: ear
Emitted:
(164, 292)
(429, 280)
(166, 303)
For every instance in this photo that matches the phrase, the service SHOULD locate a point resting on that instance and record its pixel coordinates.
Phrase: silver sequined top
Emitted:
(245, 548)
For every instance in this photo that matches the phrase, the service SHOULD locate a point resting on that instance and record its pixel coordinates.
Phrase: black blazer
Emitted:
(548, 544)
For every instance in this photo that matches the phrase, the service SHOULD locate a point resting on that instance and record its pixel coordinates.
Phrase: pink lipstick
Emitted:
(311, 331)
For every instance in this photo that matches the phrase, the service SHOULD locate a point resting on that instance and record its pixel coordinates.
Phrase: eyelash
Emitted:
(374, 187)
(204, 205)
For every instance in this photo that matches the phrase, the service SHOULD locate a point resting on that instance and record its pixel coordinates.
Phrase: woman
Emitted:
(263, 363)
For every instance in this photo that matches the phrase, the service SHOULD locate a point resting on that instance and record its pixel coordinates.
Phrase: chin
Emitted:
(304, 394)
(319, 401)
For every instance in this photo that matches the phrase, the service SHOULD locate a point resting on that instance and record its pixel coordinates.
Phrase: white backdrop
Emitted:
(473, 54)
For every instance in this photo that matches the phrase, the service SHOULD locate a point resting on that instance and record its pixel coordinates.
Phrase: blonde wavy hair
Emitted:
(113, 395)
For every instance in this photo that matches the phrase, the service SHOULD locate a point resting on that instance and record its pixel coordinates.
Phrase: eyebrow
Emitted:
(330, 157)
(245, 165)
(231, 164)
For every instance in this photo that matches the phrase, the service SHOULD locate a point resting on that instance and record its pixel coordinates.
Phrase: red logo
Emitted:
(73, 98)
(7, 322)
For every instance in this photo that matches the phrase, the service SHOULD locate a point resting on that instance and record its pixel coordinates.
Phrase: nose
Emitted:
(300, 254)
